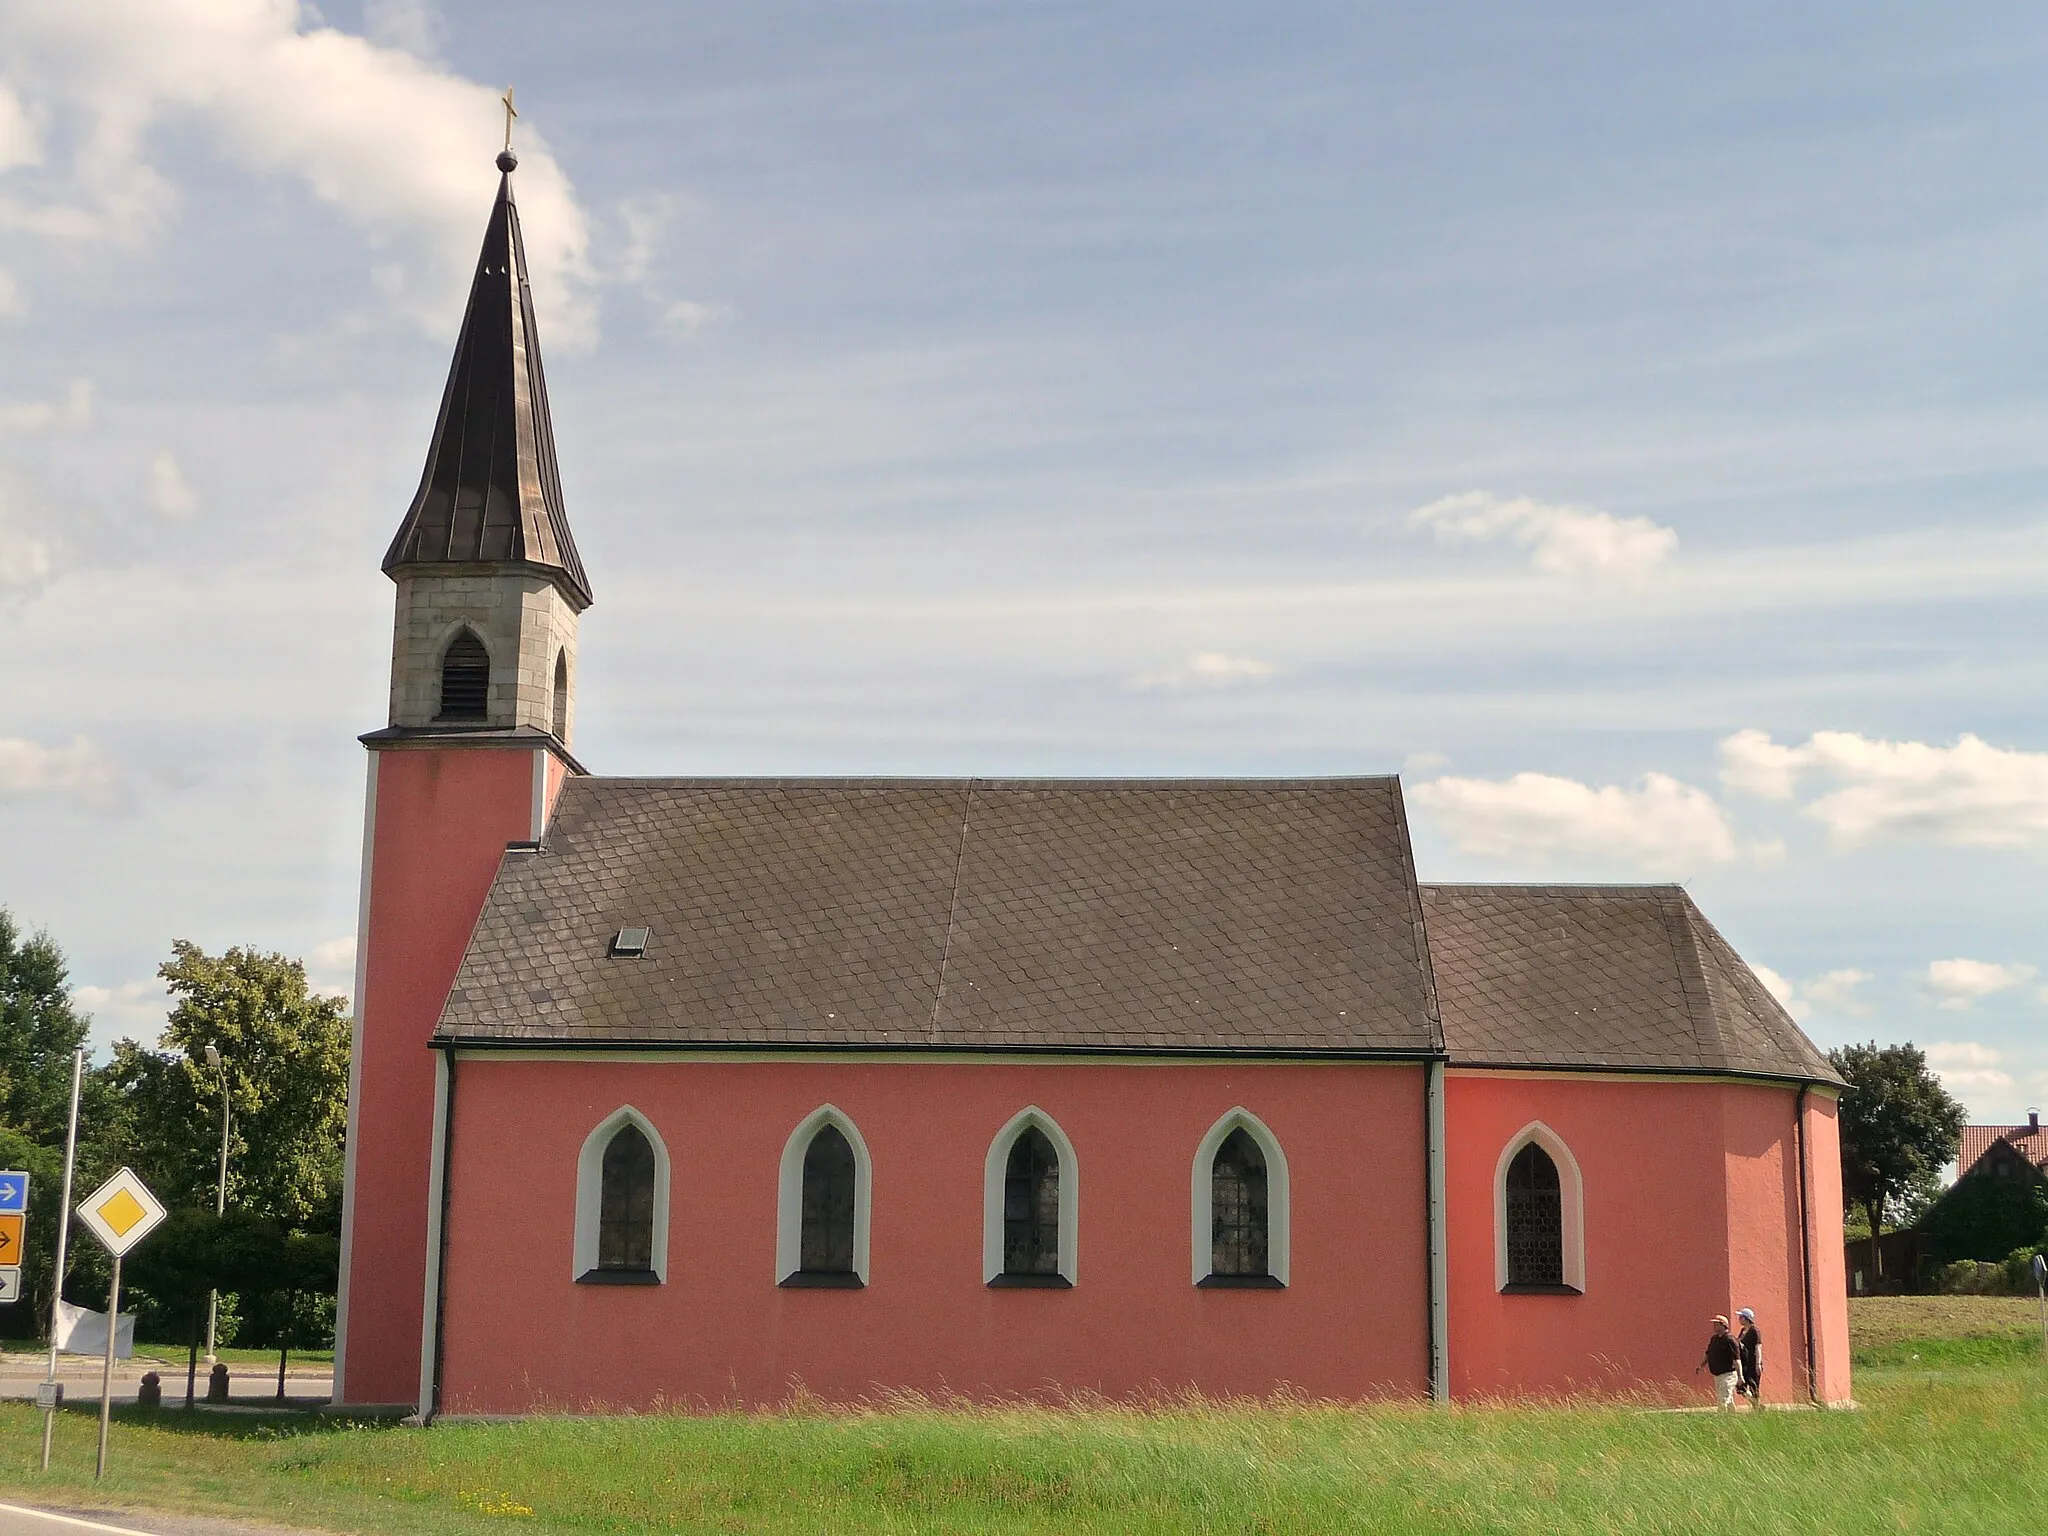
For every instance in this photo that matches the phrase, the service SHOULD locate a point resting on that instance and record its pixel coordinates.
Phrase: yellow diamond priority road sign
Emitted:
(121, 1212)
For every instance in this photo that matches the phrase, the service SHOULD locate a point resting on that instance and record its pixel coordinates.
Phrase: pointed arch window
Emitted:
(1539, 1216)
(1031, 1190)
(822, 1220)
(1239, 1200)
(622, 1183)
(465, 679)
(561, 710)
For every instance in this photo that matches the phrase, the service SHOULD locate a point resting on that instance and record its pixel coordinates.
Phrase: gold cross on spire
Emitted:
(510, 113)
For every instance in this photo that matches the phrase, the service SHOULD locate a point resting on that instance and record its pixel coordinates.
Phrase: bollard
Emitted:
(151, 1393)
(217, 1384)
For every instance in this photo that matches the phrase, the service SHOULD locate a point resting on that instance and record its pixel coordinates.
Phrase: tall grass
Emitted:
(1954, 1449)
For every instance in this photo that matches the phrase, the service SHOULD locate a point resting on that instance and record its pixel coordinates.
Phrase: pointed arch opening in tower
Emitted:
(465, 679)
(561, 713)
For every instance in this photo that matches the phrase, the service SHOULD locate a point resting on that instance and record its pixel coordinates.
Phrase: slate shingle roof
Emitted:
(1181, 915)
(1117, 915)
(1602, 976)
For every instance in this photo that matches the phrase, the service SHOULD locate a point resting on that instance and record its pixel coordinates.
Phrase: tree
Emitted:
(285, 1057)
(1898, 1126)
(39, 1029)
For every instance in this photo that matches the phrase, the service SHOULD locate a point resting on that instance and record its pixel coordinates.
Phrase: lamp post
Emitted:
(220, 1203)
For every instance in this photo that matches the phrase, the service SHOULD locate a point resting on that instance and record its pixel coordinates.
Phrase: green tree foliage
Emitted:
(285, 1054)
(1898, 1127)
(39, 1029)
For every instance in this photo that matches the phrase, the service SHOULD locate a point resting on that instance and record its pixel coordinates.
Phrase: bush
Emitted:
(1986, 1218)
(2019, 1271)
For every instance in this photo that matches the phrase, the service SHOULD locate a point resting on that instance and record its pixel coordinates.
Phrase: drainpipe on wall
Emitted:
(1805, 1241)
(1439, 1268)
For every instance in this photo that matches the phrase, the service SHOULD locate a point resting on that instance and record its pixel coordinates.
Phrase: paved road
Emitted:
(20, 1520)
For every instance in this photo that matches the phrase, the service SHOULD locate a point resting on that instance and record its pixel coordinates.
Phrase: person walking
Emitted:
(1749, 1349)
(1723, 1362)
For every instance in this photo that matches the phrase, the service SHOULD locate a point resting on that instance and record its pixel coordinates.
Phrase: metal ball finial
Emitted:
(508, 162)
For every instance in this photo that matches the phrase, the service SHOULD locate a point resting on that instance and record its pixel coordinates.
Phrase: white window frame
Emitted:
(789, 1202)
(994, 1174)
(590, 1192)
(1279, 1233)
(1572, 1203)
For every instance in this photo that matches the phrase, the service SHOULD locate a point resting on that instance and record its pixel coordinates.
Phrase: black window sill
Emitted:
(1031, 1283)
(823, 1280)
(1241, 1283)
(1526, 1289)
(618, 1277)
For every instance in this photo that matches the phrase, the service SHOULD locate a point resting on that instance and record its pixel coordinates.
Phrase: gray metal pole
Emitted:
(99, 1466)
(220, 1202)
(63, 1241)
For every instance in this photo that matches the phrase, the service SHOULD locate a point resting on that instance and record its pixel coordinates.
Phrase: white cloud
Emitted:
(21, 142)
(1835, 991)
(1660, 825)
(1960, 983)
(686, 319)
(1205, 669)
(11, 301)
(398, 146)
(169, 491)
(1563, 541)
(80, 773)
(1830, 992)
(137, 1009)
(72, 409)
(1972, 793)
(413, 25)
(1966, 1067)
(336, 955)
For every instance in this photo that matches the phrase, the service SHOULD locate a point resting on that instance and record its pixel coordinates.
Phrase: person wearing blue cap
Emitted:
(1750, 1346)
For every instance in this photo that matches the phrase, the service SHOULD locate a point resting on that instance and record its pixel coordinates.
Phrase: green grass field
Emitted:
(1954, 1440)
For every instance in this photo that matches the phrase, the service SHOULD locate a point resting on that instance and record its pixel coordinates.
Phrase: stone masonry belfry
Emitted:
(489, 581)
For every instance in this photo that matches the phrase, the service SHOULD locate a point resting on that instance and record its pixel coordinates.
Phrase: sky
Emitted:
(1626, 422)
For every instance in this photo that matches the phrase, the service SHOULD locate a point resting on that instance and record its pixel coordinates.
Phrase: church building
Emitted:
(697, 1093)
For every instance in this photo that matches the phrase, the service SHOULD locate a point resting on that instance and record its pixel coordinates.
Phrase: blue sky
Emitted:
(1624, 421)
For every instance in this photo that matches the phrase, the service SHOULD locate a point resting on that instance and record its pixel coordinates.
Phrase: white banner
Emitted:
(82, 1331)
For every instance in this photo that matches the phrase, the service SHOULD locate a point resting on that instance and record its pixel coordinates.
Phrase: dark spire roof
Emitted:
(490, 493)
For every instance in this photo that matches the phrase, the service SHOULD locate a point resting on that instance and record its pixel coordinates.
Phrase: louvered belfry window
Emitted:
(1031, 1206)
(1237, 1208)
(625, 1219)
(827, 1245)
(465, 679)
(1535, 1207)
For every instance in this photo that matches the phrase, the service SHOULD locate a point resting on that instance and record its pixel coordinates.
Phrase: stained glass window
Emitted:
(1237, 1207)
(625, 1221)
(827, 1245)
(1031, 1206)
(1535, 1207)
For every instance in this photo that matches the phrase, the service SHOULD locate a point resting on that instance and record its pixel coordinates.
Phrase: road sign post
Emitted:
(2040, 1268)
(56, 1394)
(120, 1213)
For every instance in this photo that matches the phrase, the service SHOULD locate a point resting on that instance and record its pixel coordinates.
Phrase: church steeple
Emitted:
(490, 494)
(489, 581)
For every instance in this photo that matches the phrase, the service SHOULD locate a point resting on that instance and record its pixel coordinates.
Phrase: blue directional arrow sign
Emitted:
(13, 1192)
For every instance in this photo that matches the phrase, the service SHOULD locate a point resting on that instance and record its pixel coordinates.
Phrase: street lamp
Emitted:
(220, 1203)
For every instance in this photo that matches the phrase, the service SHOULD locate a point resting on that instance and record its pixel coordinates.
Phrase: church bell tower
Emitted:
(476, 747)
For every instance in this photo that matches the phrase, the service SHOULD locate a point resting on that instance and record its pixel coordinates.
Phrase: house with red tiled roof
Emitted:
(2007, 1147)
(691, 1092)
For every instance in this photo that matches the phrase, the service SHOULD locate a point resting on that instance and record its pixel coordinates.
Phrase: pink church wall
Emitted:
(1691, 1208)
(1824, 1220)
(520, 1335)
(441, 822)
